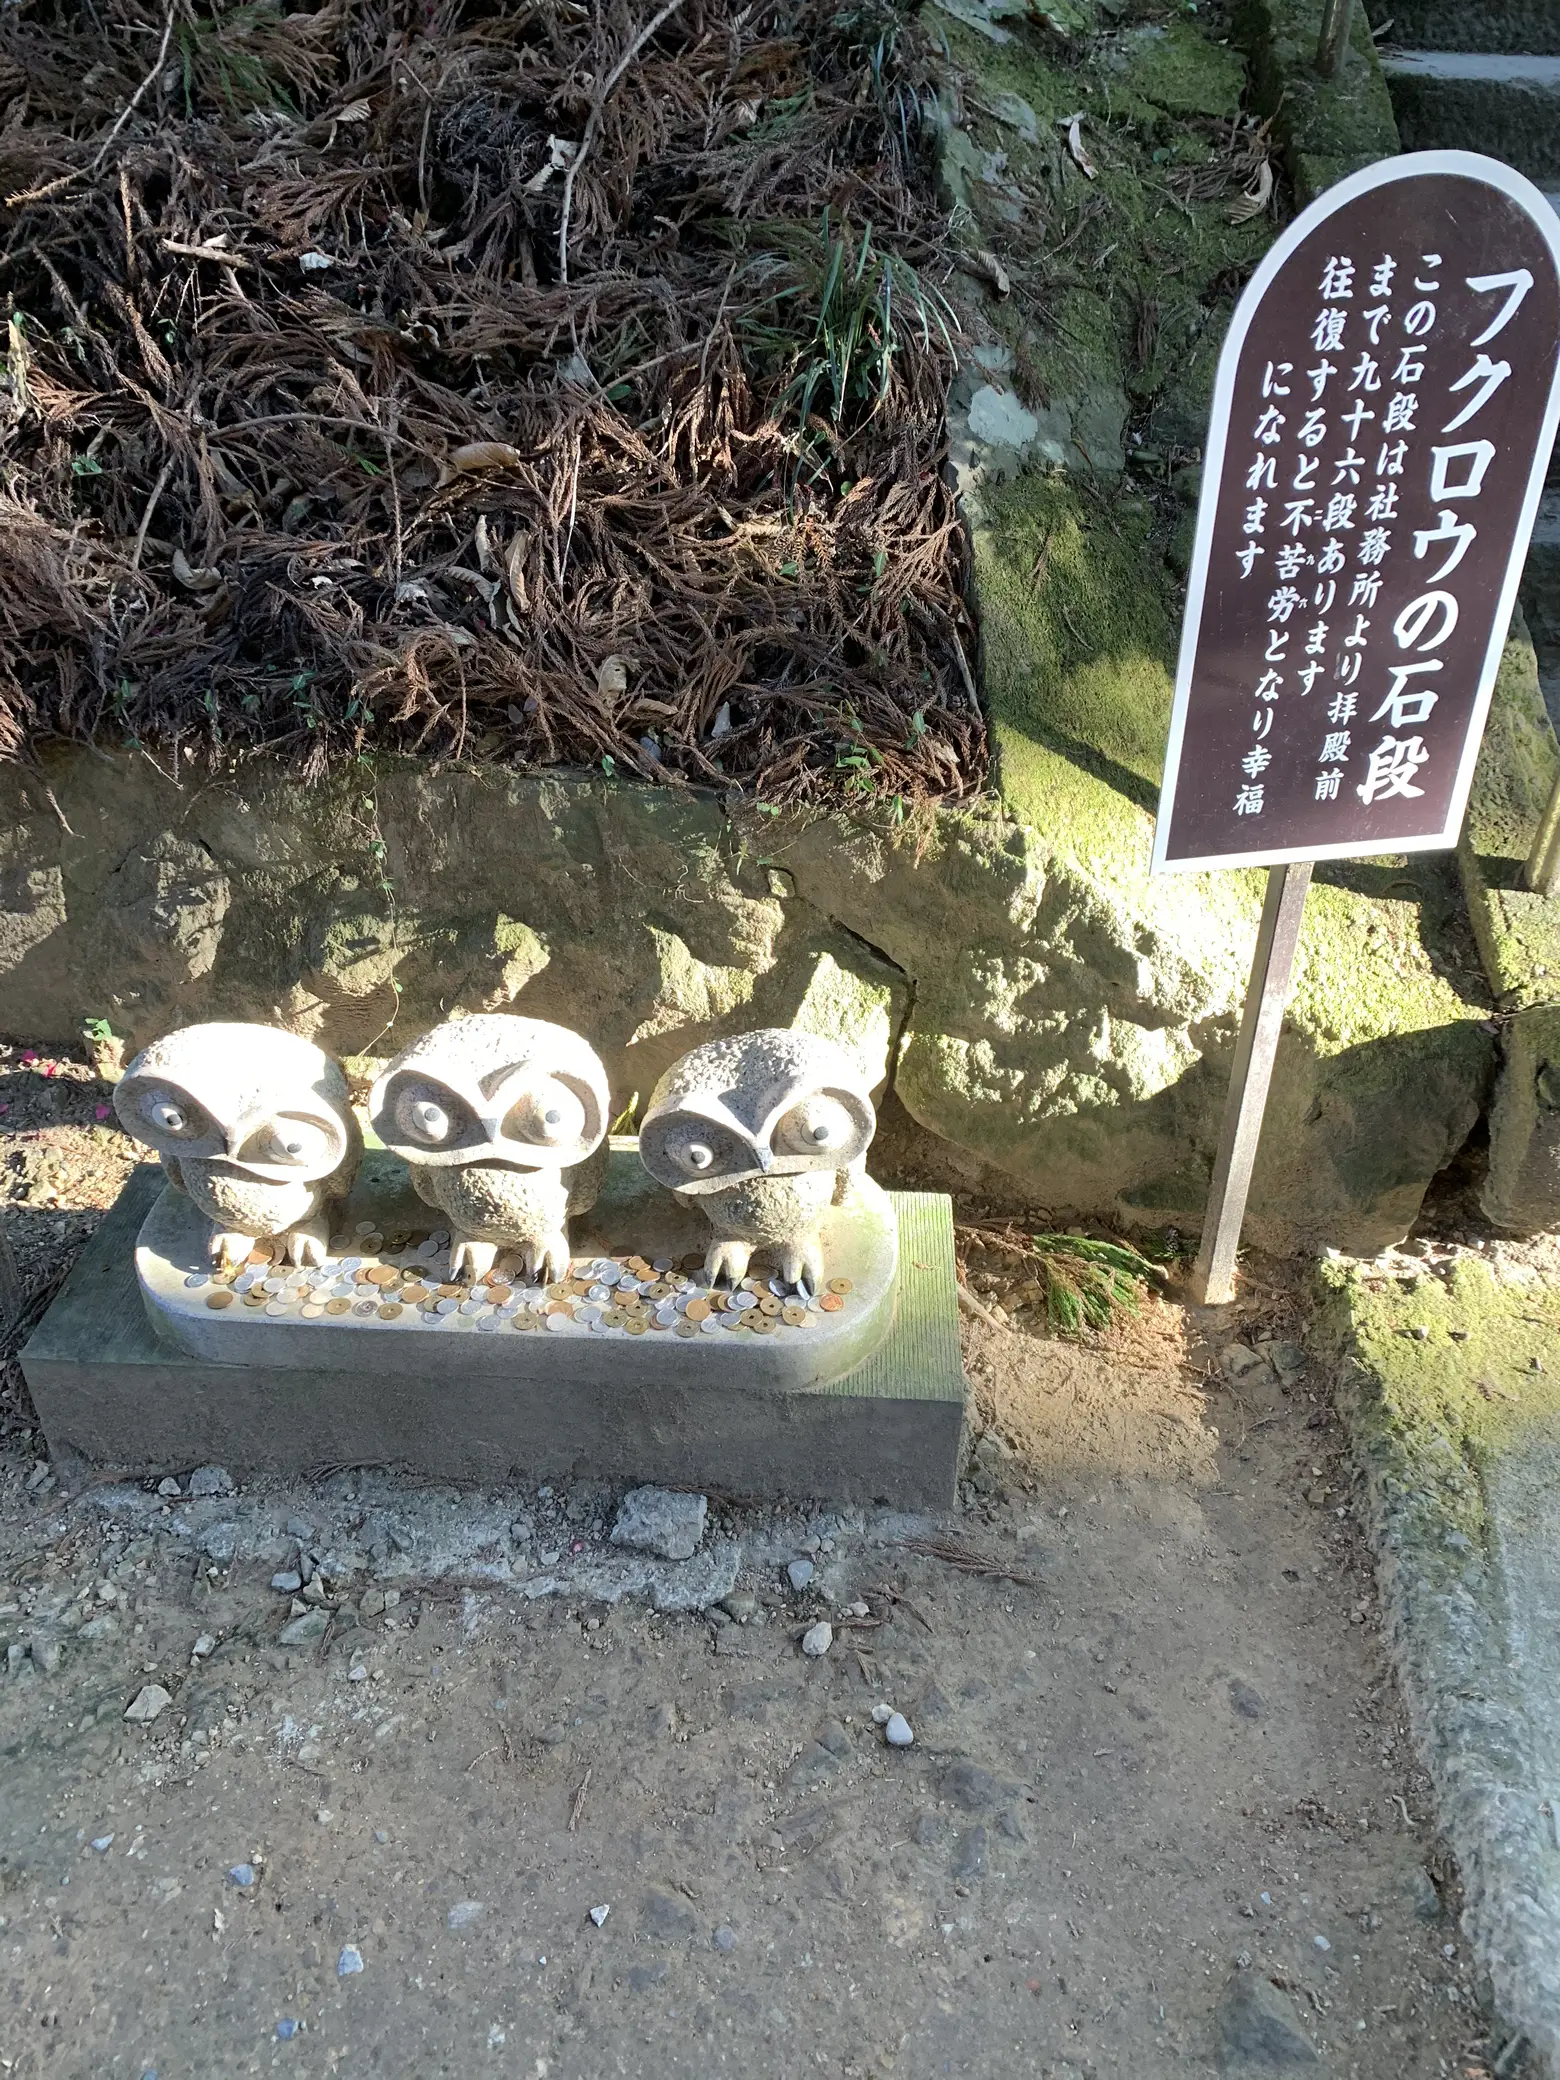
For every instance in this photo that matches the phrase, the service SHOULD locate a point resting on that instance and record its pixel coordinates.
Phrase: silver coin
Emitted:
(598, 1292)
(373, 1241)
(590, 1316)
(352, 1264)
(779, 1288)
(557, 1323)
(272, 1285)
(661, 1264)
(666, 1315)
(365, 1307)
(343, 1291)
(744, 1301)
(712, 1324)
(198, 1278)
(803, 1297)
(492, 1322)
(277, 1307)
(431, 1316)
(458, 1321)
(244, 1283)
(447, 1306)
(363, 1228)
(472, 1306)
(440, 1238)
(610, 1274)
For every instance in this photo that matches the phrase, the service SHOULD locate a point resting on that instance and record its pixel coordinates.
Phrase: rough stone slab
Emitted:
(109, 1392)
(1463, 1488)
(662, 1521)
(1492, 25)
(1508, 107)
(633, 1213)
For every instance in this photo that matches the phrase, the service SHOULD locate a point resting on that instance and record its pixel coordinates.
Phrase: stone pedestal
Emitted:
(862, 1404)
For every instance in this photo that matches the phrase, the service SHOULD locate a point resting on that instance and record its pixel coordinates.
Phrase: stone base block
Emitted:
(110, 1391)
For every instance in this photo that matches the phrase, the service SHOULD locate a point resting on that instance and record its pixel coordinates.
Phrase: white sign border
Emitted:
(1408, 166)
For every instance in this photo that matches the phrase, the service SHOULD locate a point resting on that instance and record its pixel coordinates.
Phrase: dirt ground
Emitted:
(1161, 1759)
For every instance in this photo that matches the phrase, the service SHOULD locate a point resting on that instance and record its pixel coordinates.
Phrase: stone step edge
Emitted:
(1481, 68)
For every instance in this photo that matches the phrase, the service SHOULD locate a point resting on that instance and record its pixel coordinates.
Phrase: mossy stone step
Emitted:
(1493, 25)
(1507, 106)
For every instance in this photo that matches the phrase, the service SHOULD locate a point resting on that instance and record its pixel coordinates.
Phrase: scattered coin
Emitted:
(768, 1304)
(716, 1322)
(452, 1292)
(500, 1296)
(390, 1310)
(840, 1286)
(698, 1310)
(381, 1275)
(364, 1307)
(636, 1325)
(311, 1311)
(255, 1299)
(798, 1317)
(761, 1325)
(524, 1319)
(258, 1256)
(687, 1328)
(414, 1296)
(373, 1240)
(197, 1278)
(338, 1306)
(831, 1303)
(219, 1299)
(735, 1320)
(559, 1319)
(364, 1228)
(277, 1306)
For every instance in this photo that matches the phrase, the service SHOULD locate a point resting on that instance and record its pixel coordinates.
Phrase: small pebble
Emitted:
(103, 1843)
(350, 1961)
(800, 1573)
(725, 1940)
(288, 1581)
(206, 1644)
(881, 1714)
(147, 1703)
(242, 1873)
(896, 1731)
(288, 2027)
(817, 1639)
(1321, 1942)
(169, 1487)
(463, 1913)
(599, 1915)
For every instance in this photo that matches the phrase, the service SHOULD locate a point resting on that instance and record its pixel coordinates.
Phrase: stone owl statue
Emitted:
(502, 1122)
(254, 1124)
(764, 1134)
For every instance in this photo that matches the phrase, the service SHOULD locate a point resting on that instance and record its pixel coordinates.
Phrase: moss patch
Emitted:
(1427, 1413)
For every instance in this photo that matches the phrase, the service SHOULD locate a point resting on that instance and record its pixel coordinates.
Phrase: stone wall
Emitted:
(1039, 1003)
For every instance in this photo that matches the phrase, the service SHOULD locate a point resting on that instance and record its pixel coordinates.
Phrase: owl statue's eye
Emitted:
(166, 1116)
(550, 1116)
(422, 1118)
(817, 1126)
(299, 1143)
(698, 1155)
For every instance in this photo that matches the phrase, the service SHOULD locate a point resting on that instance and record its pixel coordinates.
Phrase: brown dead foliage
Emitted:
(313, 441)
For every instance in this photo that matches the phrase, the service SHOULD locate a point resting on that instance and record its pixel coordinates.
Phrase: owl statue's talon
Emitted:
(727, 1260)
(228, 1248)
(547, 1262)
(802, 1266)
(470, 1258)
(308, 1242)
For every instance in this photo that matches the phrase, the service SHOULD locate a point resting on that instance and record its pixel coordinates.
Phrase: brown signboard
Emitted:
(1386, 404)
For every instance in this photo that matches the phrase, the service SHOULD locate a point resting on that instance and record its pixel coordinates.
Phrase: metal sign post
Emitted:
(1383, 412)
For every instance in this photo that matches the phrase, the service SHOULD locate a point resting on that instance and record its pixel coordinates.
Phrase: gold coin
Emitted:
(256, 1299)
(394, 1244)
(219, 1299)
(525, 1319)
(559, 1307)
(698, 1310)
(762, 1325)
(798, 1317)
(636, 1325)
(258, 1256)
(452, 1292)
(414, 1296)
(655, 1322)
(390, 1310)
(500, 1296)
(613, 1317)
(687, 1328)
(840, 1285)
(553, 1292)
(632, 1303)
(338, 1306)
(659, 1291)
(750, 1285)
(382, 1275)
(831, 1303)
(768, 1304)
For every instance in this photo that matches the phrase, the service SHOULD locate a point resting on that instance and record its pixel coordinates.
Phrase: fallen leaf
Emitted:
(612, 677)
(1080, 157)
(205, 579)
(991, 267)
(354, 112)
(1255, 199)
(486, 455)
